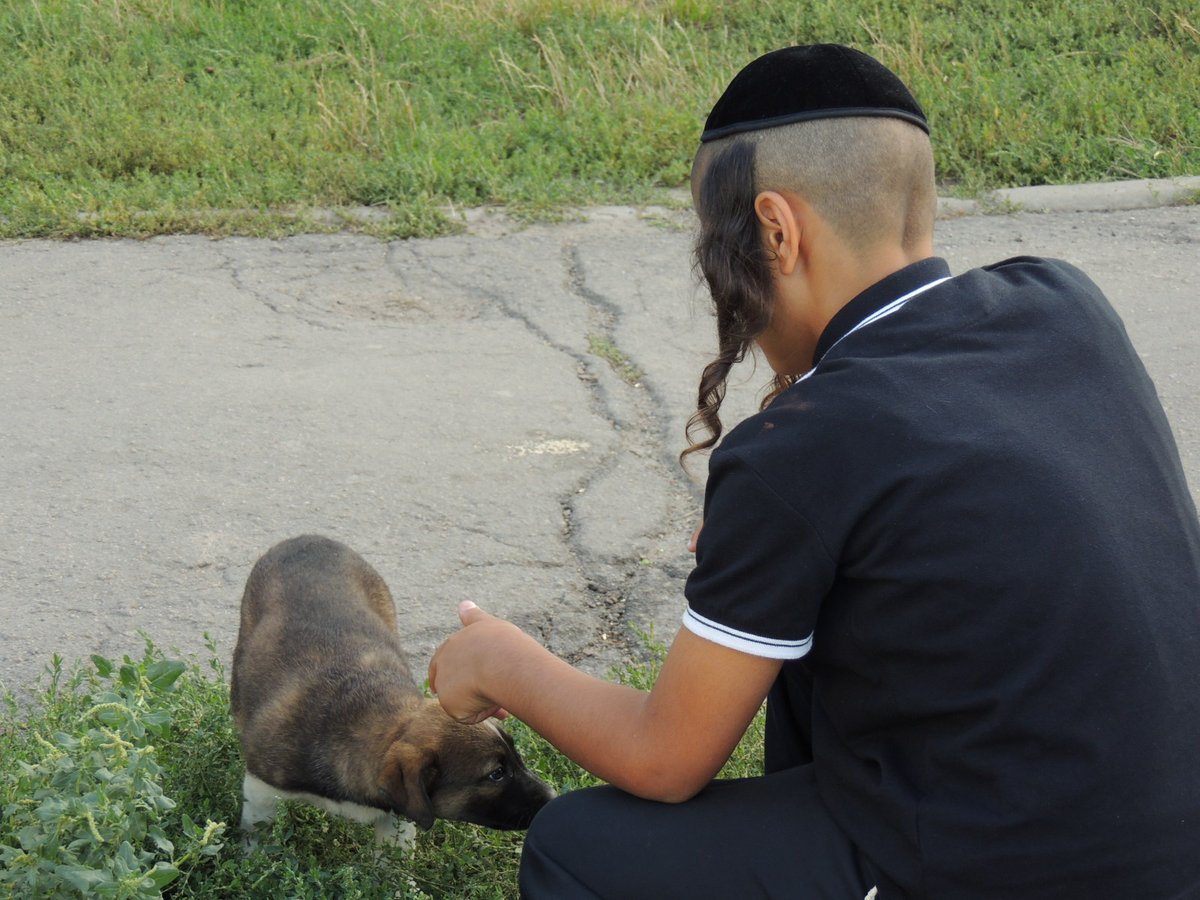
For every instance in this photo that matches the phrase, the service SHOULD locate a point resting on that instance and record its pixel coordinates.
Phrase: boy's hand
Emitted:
(457, 670)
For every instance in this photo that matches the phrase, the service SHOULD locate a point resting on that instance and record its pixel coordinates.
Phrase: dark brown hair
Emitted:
(737, 269)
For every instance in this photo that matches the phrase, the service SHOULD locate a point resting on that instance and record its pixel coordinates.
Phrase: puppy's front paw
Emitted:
(249, 840)
(258, 808)
(394, 831)
(254, 822)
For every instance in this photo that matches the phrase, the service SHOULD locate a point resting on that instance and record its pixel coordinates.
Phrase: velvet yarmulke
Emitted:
(818, 81)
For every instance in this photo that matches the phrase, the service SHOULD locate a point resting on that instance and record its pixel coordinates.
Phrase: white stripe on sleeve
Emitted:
(755, 645)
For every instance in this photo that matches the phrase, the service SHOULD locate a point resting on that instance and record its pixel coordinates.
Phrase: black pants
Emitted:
(753, 837)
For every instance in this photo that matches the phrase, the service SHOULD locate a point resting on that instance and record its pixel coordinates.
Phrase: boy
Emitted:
(955, 551)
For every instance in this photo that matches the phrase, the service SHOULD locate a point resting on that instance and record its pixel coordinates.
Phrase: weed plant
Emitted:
(124, 779)
(138, 117)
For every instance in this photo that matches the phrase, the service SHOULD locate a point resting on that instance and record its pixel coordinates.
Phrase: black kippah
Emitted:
(820, 81)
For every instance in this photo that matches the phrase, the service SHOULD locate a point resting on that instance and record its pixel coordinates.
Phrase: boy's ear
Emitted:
(781, 229)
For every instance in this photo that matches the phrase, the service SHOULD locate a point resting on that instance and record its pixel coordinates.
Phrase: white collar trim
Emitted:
(881, 313)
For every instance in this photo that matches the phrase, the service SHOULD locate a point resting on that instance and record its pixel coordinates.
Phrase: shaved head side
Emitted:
(870, 178)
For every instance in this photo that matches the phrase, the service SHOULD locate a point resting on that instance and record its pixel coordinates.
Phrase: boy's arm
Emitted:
(663, 745)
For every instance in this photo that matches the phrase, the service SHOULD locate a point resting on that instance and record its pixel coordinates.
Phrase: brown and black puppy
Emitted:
(327, 710)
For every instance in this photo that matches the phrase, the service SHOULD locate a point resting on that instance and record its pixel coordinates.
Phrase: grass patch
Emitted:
(124, 779)
(611, 354)
(137, 117)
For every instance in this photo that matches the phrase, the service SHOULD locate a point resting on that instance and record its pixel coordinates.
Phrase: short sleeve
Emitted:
(761, 568)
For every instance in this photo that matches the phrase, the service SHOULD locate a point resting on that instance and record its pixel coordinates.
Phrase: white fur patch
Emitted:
(262, 801)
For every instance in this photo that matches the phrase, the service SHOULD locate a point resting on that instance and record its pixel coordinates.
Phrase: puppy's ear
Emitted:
(408, 773)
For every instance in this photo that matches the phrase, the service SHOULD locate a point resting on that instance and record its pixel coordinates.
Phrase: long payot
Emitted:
(737, 269)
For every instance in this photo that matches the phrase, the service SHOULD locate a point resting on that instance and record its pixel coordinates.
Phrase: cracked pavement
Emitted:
(493, 416)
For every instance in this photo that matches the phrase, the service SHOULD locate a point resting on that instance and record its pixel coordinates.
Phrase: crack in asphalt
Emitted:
(237, 277)
(614, 581)
(635, 413)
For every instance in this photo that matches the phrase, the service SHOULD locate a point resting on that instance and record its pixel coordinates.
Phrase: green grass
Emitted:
(134, 117)
(611, 354)
(124, 779)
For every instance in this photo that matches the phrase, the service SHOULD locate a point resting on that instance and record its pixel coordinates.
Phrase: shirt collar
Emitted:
(911, 278)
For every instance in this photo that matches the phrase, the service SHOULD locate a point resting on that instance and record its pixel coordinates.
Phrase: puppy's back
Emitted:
(312, 611)
(303, 573)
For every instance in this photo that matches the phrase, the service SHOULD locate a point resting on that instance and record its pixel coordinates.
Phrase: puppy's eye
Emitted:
(497, 774)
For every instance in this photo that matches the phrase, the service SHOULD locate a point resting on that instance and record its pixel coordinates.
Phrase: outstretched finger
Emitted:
(469, 612)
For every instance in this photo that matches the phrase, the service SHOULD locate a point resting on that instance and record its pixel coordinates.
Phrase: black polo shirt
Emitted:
(970, 528)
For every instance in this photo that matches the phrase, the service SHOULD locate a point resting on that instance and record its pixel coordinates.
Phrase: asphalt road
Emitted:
(493, 416)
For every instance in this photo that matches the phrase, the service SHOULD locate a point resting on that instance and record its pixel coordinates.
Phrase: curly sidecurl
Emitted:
(737, 269)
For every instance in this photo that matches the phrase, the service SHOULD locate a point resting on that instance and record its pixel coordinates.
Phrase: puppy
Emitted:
(328, 712)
